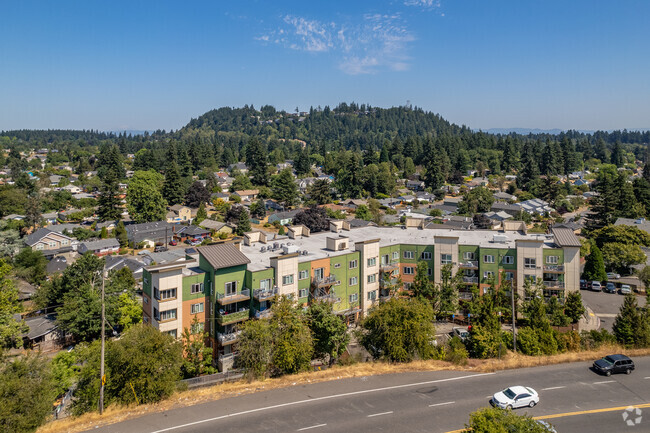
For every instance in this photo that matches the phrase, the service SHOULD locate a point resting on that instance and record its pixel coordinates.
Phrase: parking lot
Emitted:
(606, 305)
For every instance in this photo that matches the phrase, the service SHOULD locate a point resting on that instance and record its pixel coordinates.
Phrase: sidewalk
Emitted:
(589, 322)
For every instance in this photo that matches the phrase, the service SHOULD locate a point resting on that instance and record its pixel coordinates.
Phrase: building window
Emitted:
(353, 281)
(172, 333)
(445, 259)
(408, 270)
(166, 294)
(197, 308)
(287, 279)
(488, 274)
(145, 299)
(198, 328)
(52, 244)
(426, 255)
(372, 295)
(372, 262)
(302, 293)
(146, 280)
(372, 278)
(319, 273)
(509, 276)
(353, 264)
(353, 297)
(395, 255)
(530, 263)
(530, 278)
(429, 271)
(303, 275)
(231, 288)
(265, 284)
(196, 288)
(508, 260)
(408, 254)
(337, 265)
(64, 242)
(468, 255)
(552, 260)
(488, 258)
(168, 315)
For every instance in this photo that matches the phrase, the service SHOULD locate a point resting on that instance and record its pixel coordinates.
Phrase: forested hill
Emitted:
(348, 126)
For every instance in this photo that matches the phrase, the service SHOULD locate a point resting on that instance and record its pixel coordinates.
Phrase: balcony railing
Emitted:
(387, 282)
(264, 294)
(228, 318)
(263, 314)
(227, 357)
(465, 295)
(241, 295)
(470, 280)
(325, 295)
(554, 268)
(390, 267)
(325, 281)
(554, 284)
(468, 264)
(228, 338)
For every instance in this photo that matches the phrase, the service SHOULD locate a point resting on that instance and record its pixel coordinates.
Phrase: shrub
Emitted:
(455, 352)
(528, 342)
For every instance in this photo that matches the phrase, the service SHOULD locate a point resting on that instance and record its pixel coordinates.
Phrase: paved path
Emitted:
(414, 402)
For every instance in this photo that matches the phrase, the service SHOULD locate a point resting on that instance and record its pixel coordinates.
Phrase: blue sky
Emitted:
(577, 64)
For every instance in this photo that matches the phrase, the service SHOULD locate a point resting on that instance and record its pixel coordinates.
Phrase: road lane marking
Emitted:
(553, 387)
(604, 381)
(647, 377)
(326, 397)
(582, 412)
(379, 414)
(314, 426)
(442, 404)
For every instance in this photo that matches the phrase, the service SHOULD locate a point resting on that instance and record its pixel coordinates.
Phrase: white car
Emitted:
(514, 397)
(461, 333)
(625, 290)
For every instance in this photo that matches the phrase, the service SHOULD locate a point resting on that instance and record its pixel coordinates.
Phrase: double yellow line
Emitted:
(581, 412)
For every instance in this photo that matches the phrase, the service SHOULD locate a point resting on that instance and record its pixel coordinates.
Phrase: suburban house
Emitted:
(192, 232)
(50, 242)
(238, 166)
(415, 185)
(73, 189)
(55, 179)
(283, 218)
(640, 223)
(50, 217)
(232, 282)
(100, 247)
(157, 232)
(179, 213)
(216, 226)
(115, 263)
(247, 194)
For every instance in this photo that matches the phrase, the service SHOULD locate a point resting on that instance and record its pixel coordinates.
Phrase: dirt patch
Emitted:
(115, 413)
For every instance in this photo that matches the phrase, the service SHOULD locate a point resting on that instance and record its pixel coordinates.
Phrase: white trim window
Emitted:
(196, 288)
(372, 261)
(426, 255)
(302, 293)
(488, 258)
(230, 288)
(488, 274)
(395, 255)
(409, 254)
(409, 270)
(303, 275)
(372, 278)
(445, 259)
(353, 281)
(530, 263)
(552, 260)
(287, 280)
(196, 308)
(372, 295)
(353, 298)
(508, 260)
(509, 276)
(353, 264)
(167, 315)
(468, 255)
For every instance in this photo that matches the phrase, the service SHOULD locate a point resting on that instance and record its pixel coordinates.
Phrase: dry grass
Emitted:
(115, 414)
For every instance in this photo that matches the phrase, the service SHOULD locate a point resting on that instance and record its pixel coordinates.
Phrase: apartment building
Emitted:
(350, 267)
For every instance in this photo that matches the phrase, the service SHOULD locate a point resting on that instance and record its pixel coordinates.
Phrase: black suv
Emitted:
(614, 364)
(159, 249)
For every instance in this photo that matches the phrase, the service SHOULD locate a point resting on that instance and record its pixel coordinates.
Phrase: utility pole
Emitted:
(514, 330)
(101, 368)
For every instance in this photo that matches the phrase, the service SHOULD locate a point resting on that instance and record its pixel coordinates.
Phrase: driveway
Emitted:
(606, 305)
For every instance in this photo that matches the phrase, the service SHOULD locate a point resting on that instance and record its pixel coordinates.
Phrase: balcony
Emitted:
(466, 296)
(226, 362)
(228, 318)
(242, 295)
(559, 269)
(387, 282)
(555, 284)
(324, 295)
(468, 264)
(228, 338)
(263, 314)
(470, 280)
(327, 281)
(389, 267)
(264, 294)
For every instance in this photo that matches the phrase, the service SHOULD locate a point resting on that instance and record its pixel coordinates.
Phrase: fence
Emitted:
(213, 379)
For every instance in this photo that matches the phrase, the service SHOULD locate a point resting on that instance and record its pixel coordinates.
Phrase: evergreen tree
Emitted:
(121, 235)
(601, 151)
(145, 203)
(258, 209)
(606, 204)
(595, 266)
(301, 164)
(529, 175)
(257, 161)
(349, 182)
(284, 188)
(109, 203)
(319, 191)
(573, 307)
(244, 223)
(618, 157)
(173, 189)
(201, 214)
(628, 325)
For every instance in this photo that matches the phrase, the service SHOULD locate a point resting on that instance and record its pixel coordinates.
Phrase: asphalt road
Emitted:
(414, 402)
(606, 305)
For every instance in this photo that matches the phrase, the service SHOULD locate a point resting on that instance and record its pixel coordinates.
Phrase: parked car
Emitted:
(625, 289)
(160, 249)
(614, 364)
(173, 242)
(461, 333)
(514, 397)
(610, 287)
(613, 276)
(584, 284)
(596, 286)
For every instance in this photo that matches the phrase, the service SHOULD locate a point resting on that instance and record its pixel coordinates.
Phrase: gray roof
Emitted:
(148, 227)
(565, 237)
(192, 230)
(286, 214)
(40, 325)
(354, 223)
(40, 234)
(640, 223)
(59, 228)
(101, 243)
(57, 264)
(223, 255)
(118, 262)
(211, 224)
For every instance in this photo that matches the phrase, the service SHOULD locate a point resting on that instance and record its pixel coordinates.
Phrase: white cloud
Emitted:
(377, 41)
(427, 4)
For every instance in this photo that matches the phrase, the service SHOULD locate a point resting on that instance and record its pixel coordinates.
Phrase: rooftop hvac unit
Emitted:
(289, 249)
(500, 239)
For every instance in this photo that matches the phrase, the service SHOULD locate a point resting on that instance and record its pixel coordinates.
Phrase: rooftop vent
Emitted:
(500, 239)
(289, 249)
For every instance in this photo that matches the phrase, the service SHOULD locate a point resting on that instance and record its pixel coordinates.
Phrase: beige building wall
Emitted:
(172, 279)
(283, 266)
(370, 291)
(444, 245)
(532, 249)
(571, 269)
